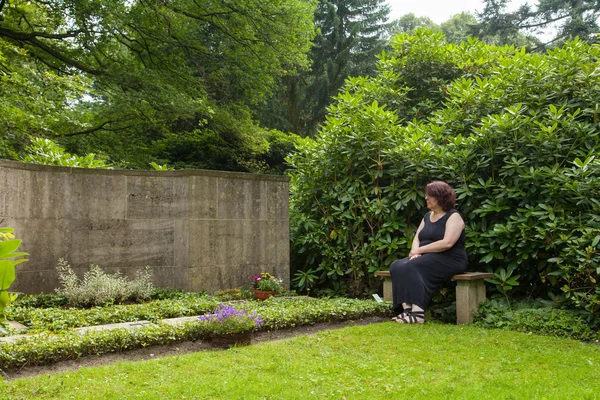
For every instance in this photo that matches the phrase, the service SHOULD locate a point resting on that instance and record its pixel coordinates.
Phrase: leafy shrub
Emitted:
(291, 312)
(98, 288)
(516, 134)
(47, 348)
(45, 151)
(8, 251)
(538, 320)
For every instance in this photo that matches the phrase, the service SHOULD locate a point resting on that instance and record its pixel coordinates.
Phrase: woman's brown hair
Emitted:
(443, 193)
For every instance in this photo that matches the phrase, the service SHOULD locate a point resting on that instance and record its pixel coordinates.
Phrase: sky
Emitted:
(439, 10)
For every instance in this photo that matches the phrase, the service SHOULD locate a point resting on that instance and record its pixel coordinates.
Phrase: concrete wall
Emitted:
(198, 230)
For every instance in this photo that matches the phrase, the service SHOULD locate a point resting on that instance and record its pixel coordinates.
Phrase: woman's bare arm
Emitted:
(454, 228)
(416, 243)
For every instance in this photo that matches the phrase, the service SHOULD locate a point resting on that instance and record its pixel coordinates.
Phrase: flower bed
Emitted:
(56, 319)
(65, 344)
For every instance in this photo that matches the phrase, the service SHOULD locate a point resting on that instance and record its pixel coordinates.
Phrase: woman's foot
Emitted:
(403, 314)
(413, 317)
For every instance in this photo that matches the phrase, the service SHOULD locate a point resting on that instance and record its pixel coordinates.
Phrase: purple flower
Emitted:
(227, 319)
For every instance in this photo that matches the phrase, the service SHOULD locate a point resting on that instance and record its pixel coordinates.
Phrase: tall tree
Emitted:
(556, 20)
(156, 68)
(458, 28)
(408, 23)
(351, 35)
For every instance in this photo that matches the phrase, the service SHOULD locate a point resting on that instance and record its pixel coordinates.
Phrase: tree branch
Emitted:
(32, 40)
(542, 23)
(31, 35)
(201, 17)
(95, 129)
(47, 63)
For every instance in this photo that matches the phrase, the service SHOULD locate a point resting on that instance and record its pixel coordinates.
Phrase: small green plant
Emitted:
(99, 288)
(45, 151)
(41, 300)
(234, 294)
(158, 167)
(305, 280)
(160, 293)
(8, 247)
(267, 282)
(227, 320)
(505, 281)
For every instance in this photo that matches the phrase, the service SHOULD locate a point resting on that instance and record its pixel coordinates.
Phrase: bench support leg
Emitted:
(387, 289)
(468, 296)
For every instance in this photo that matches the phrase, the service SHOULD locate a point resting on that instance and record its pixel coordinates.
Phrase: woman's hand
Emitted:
(413, 254)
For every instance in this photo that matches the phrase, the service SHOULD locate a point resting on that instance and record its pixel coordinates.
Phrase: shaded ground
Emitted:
(176, 349)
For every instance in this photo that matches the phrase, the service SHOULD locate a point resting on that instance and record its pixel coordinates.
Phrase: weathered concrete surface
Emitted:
(198, 230)
(468, 296)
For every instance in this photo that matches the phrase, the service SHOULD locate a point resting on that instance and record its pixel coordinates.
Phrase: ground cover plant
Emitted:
(53, 338)
(535, 317)
(378, 361)
(56, 319)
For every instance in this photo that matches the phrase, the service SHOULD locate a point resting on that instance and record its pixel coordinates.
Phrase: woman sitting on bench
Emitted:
(437, 253)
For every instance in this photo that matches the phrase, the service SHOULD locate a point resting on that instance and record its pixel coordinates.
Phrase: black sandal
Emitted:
(403, 314)
(416, 317)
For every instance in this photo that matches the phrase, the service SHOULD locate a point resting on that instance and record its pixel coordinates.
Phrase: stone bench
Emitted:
(470, 291)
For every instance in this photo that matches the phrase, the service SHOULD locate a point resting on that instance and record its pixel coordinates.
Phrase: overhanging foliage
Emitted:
(140, 80)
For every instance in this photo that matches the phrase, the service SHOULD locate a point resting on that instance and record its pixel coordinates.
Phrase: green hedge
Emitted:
(515, 133)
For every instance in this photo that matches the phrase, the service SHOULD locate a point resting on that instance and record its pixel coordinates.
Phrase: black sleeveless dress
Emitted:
(415, 281)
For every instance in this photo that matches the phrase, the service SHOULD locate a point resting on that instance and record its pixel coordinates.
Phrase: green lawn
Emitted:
(377, 361)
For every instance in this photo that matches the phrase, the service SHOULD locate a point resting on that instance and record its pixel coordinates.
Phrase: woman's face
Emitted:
(431, 202)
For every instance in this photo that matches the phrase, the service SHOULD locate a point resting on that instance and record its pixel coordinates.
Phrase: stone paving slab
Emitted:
(122, 325)
(97, 328)
(179, 320)
(17, 326)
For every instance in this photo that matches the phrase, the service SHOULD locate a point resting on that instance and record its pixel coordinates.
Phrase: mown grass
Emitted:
(378, 361)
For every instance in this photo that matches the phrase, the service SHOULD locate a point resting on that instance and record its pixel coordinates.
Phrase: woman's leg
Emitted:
(406, 284)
